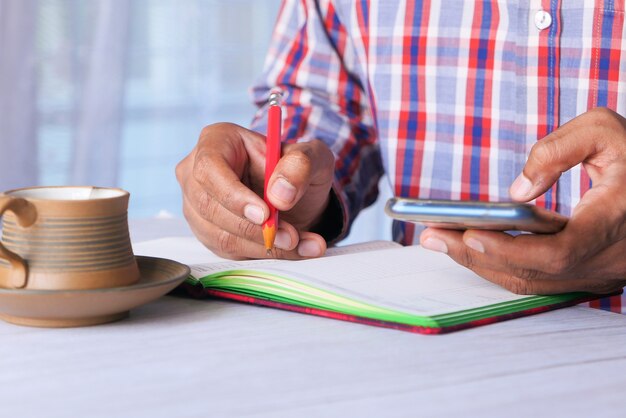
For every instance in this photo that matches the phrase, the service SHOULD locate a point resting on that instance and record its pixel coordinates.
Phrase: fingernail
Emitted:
(474, 244)
(521, 187)
(253, 213)
(309, 248)
(282, 240)
(435, 244)
(283, 190)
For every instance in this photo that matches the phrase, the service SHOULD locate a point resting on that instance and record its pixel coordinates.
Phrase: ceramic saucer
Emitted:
(75, 308)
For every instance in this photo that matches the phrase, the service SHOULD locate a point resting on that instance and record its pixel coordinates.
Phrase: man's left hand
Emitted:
(589, 254)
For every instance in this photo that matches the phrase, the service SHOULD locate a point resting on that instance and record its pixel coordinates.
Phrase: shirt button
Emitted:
(542, 19)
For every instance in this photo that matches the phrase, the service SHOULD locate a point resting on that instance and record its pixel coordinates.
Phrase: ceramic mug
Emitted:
(60, 238)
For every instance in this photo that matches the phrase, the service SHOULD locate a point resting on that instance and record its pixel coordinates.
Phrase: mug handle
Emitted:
(26, 216)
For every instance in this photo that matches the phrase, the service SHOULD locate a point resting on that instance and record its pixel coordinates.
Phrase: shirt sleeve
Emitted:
(312, 60)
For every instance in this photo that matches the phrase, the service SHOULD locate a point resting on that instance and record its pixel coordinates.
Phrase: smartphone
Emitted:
(460, 214)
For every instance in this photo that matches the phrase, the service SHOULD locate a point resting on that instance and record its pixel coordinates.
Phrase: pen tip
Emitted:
(268, 252)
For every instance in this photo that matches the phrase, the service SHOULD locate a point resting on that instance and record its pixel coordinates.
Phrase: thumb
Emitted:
(567, 146)
(304, 167)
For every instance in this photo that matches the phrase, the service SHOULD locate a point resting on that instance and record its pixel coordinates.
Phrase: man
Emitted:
(475, 100)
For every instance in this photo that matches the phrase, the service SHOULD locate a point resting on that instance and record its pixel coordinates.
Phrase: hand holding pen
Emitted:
(224, 185)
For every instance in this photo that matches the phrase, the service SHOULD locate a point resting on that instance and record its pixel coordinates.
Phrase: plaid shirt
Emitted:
(445, 96)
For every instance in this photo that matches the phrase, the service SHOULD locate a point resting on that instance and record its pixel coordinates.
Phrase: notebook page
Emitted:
(205, 269)
(406, 279)
(188, 250)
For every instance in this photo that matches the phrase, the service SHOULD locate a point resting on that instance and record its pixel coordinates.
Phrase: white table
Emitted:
(179, 357)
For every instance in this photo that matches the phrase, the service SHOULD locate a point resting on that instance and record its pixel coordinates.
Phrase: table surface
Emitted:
(179, 357)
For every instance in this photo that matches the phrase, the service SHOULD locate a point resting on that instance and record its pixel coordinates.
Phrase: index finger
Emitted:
(579, 140)
(219, 166)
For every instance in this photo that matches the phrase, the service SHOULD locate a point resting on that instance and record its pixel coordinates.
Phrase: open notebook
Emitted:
(378, 283)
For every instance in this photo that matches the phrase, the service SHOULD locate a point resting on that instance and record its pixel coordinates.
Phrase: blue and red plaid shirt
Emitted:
(447, 97)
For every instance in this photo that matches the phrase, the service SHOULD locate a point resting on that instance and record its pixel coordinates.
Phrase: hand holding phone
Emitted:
(459, 214)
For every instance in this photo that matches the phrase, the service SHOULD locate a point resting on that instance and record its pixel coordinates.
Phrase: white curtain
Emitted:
(97, 75)
(99, 109)
(18, 110)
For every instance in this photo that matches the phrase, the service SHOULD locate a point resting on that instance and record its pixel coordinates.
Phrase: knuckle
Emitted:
(527, 274)
(519, 286)
(207, 206)
(561, 262)
(300, 159)
(227, 243)
(607, 129)
(246, 229)
(222, 125)
(603, 117)
(510, 265)
(228, 197)
(278, 253)
(323, 151)
(544, 152)
(207, 130)
(328, 160)
(607, 123)
(201, 168)
(466, 259)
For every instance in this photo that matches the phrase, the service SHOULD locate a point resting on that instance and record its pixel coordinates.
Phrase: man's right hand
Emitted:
(222, 181)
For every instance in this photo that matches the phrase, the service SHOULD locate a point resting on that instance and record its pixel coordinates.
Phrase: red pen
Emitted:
(274, 121)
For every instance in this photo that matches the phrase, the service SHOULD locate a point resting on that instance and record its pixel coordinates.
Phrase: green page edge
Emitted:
(275, 288)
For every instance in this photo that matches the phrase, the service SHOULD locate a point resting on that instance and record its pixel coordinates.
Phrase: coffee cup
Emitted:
(65, 238)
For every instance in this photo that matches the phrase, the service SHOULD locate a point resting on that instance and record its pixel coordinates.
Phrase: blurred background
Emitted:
(115, 93)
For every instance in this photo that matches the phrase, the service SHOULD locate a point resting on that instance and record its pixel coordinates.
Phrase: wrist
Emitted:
(331, 224)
